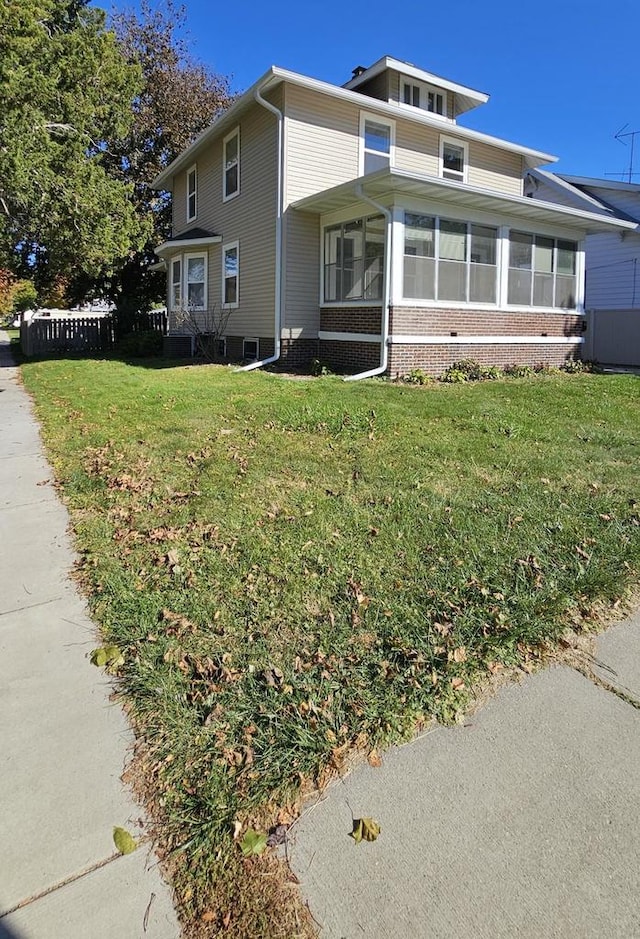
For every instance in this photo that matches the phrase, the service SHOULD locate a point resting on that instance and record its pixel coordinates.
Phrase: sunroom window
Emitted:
(542, 271)
(354, 260)
(446, 259)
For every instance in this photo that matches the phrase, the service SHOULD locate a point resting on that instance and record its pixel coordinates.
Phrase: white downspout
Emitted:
(279, 213)
(386, 292)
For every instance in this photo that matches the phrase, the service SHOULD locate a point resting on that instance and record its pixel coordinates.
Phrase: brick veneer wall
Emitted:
(354, 320)
(434, 359)
(414, 320)
(349, 356)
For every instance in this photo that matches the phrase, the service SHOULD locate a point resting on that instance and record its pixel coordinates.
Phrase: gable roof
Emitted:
(274, 76)
(467, 97)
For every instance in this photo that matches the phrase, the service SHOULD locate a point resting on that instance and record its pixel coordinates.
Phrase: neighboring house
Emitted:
(612, 259)
(364, 226)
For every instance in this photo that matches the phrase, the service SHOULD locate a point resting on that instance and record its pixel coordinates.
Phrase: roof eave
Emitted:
(171, 245)
(406, 68)
(390, 182)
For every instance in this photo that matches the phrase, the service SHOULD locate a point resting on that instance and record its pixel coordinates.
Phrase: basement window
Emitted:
(250, 349)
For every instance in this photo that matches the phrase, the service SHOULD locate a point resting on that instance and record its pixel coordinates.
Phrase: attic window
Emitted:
(417, 95)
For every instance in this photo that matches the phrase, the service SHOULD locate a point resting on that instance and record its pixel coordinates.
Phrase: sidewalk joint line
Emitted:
(61, 883)
(587, 672)
(29, 606)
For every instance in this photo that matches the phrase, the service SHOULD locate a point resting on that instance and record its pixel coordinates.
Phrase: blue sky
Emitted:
(563, 76)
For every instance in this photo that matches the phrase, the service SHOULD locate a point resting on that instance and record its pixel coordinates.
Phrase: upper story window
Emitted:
(423, 96)
(231, 164)
(230, 274)
(354, 260)
(192, 193)
(376, 143)
(445, 259)
(542, 271)
(453, 159)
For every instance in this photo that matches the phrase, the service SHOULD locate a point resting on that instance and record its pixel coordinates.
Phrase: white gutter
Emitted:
(278, 291)
(386, 292)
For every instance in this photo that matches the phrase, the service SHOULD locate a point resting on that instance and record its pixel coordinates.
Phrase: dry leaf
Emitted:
(364, 829)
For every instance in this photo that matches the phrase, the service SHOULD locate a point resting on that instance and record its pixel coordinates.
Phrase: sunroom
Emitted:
(418, 271)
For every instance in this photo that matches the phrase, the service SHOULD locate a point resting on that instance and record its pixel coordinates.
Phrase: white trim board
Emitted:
(349, 337)
(398, 339)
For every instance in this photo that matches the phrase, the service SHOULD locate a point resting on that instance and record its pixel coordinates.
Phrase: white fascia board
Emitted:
(503, 201)
(275, 75)
(223, 122)
(560, 183)
(405, 68)
(184, 243)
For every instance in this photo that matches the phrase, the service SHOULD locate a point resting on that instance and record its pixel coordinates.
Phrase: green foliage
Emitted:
(576, 366)
(25, 297)
(140, 345)
(470, 370)
(66, 89)
(254, 842)
(518, 371)
(417, 377)
(319, 369)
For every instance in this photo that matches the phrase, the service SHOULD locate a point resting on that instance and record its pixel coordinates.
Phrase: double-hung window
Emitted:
(230, 274)
(376, 143)
(176, 284)
(192, 193)
(542, 271)
(231, 165)
(196, 281)
(354, 260)
(449, 260)
(453, 159)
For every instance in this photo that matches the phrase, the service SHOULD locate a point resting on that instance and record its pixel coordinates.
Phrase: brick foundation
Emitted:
(349, 356)
(434, 359)
(432, 322)
(354, 320)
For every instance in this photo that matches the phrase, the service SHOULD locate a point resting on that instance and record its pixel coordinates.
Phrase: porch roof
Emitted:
(386, 184)
(193, 238)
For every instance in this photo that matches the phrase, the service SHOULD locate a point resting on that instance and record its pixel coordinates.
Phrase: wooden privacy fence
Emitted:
(85, 334)
(613, 337)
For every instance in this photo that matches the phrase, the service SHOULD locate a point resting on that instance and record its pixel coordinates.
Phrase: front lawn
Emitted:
(293, 569)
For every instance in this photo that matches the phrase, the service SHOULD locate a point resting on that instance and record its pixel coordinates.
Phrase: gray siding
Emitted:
(377, 87)
(613, 271)
(302, 274)
(623, 200)
(249, 218)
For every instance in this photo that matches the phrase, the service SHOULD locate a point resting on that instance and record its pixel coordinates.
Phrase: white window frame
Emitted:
(225, 249)
(247, 339)
(461, 145)
(193, 170)
(376, 119)
(226, 196)
(424, 91)
(190, 255)
(173, 305)
(577, 274)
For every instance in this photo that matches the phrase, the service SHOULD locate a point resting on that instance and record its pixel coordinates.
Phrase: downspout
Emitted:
(278, 271)
(386, 292)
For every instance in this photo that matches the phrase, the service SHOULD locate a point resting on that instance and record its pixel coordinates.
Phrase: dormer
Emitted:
(401, 83)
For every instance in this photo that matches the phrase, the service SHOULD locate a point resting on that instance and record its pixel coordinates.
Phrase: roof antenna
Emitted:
(623, 132)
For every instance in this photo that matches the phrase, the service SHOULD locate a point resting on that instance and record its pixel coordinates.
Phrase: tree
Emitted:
(178, 100)
(65, 89)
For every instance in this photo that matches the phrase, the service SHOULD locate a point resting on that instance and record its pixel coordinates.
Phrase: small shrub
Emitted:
(471, 370)
(575, 366)
(417, 377)
(518, 371)
(141, 345)
(543, 368)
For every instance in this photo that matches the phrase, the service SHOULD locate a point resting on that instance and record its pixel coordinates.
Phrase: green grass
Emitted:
(296, 568)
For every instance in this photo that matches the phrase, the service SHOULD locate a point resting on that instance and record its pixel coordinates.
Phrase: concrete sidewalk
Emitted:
(63, 744)
(523, 822)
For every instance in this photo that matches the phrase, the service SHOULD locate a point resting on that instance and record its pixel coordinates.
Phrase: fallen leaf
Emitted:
(364, 829)
(254, 842)
(124, 842)
(208, 916)
(107, 655)
(457, 684)
(374, 759)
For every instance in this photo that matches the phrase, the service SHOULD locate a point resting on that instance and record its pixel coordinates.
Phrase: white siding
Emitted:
(302, 274)
(623, 200)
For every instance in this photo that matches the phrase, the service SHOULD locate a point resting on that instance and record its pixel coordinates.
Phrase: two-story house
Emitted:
(364, 225)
